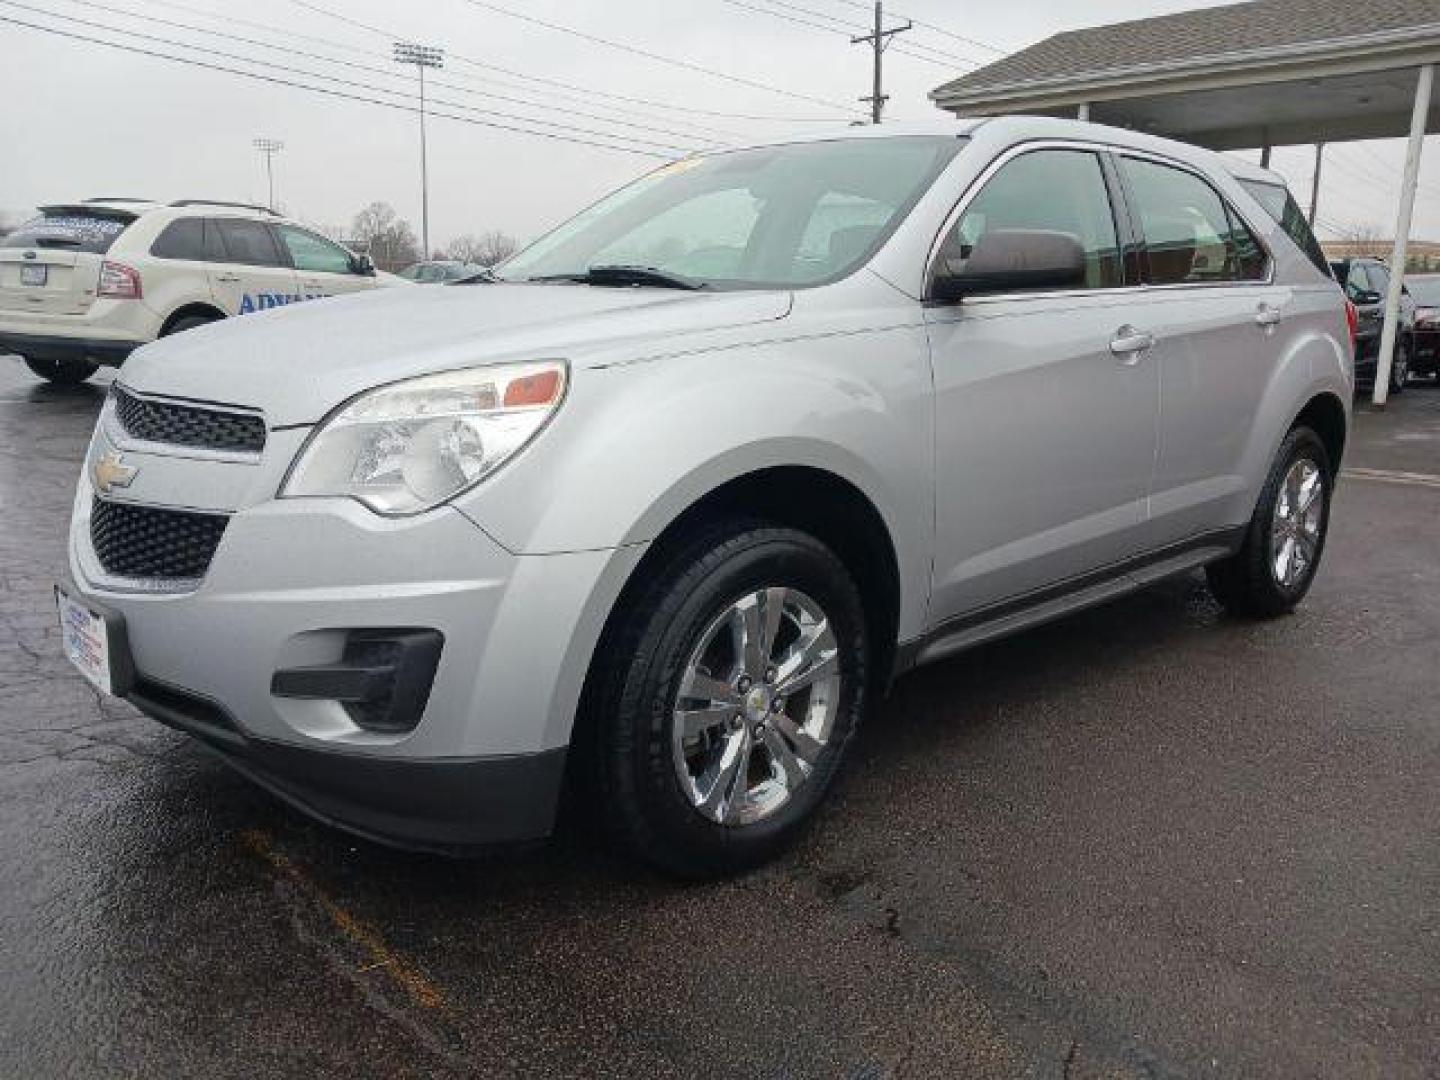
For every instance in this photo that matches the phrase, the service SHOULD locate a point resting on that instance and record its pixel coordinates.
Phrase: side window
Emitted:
(312, 253)
(1380, 279)
(1052, 190)
(1281, 205)
(248, 243)
(1356, 281)
(1190, 235)
(181, 239)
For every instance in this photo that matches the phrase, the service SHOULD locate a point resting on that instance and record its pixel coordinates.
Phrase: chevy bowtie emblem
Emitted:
(110, 471)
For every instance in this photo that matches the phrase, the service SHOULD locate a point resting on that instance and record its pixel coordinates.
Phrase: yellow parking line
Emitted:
(411, 979)
(1391, 476)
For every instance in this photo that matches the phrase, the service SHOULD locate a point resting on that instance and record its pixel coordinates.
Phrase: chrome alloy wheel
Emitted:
(757, 705)
(1295, 527)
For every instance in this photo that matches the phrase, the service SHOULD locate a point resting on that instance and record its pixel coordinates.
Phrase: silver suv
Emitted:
(656, 512)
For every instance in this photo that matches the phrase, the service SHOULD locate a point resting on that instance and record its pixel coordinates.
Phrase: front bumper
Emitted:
(292, 580)
(442, 805)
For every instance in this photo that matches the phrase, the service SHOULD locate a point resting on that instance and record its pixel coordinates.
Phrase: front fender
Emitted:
(638, 443)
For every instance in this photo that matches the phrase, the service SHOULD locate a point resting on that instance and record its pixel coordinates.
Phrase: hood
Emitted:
(298, 362)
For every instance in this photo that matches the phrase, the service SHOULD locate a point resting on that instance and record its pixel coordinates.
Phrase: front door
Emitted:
(248, 272)
(322, 268)
(1046, 403)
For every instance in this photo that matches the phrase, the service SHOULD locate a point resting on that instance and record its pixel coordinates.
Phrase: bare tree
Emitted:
(487, 249)
(1366, 241)
(387, 237)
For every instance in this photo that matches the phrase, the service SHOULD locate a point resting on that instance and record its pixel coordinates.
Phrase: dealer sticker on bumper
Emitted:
(85, 639)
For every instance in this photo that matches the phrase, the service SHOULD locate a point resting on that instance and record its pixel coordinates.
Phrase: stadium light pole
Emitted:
(269, 147)
(422, 56)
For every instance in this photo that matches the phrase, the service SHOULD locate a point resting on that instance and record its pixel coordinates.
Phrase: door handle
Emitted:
(1266, 315)
(228, 279)
(1128, 343)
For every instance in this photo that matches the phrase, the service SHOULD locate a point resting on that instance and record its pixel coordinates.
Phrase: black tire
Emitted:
(1246, 583)
(189, 322)
(1400, 368)
(632, 776)
(67, 372)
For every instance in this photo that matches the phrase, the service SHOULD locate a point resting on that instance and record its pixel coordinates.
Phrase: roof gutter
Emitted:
(1354, 50)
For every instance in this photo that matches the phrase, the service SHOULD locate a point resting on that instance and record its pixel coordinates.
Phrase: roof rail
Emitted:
(117, 198)
(222, 202)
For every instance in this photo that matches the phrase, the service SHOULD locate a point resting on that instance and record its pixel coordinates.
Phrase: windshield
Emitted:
(70, 230)
(1425, 290)
(771, 217)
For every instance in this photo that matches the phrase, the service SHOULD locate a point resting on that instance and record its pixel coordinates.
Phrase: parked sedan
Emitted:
(1425, 358)
(1367, 283)
(440, 272)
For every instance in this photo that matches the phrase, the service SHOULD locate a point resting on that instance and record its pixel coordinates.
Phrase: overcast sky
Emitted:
(79, 119)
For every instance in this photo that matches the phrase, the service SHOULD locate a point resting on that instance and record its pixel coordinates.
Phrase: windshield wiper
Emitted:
(623, 274)
(483, 277)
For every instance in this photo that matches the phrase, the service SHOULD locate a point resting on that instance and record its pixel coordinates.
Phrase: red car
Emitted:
(1425, 359)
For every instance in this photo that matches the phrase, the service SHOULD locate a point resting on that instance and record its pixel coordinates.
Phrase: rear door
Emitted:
(1220, 329)
(322, 267)
(248, 271)
(51, 264)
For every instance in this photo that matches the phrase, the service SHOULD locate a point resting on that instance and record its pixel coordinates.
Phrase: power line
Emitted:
(949, 63)
(370, 70)
(344, 82)
(660, 58)
(327, 91)
(585, 90)
(937, 29)
(851, 28)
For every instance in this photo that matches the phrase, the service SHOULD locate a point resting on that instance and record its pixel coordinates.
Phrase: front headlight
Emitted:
(412, 445)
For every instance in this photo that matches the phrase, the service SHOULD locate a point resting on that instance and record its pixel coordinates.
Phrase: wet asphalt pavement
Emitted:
(1148, 841)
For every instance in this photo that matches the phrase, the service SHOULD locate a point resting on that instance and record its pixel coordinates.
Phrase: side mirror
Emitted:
(1012, 260)
(363, 265)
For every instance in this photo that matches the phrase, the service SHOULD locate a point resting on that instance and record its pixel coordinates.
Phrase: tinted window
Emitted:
(248, 243)
(314, 254)
(182, 239)
(740, 219)
(1191, 236)
(1281, 205)
(70, 229)
(1055, 190)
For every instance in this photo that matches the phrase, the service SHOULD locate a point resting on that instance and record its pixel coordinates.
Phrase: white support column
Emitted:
(1418, 118)
(1083, 112)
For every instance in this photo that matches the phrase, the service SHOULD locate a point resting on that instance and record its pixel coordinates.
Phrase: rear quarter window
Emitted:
(69, 231)
(1281, 205)
(182, 239)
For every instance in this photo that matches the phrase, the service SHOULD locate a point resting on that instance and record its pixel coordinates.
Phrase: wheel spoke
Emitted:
(806, 748)
(754, 624)
(1310, 488)
(770, 623)
(780, 753)
(812, 658)
(723, 785)
(705, 687)
(1285, 562)
(694, 722)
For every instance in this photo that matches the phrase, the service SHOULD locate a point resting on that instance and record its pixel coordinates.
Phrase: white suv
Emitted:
(85, 284)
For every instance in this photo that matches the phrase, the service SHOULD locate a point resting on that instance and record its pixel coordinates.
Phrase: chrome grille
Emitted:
(188, 425)
(147, 542)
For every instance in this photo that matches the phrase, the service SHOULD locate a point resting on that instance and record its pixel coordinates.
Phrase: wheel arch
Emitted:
(185, 311)
(1325, 415)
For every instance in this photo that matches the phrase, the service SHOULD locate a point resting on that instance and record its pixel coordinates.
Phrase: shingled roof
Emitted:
(1192, 38)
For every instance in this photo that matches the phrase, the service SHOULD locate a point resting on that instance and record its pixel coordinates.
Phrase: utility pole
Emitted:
(877, 39)
(422, 56)
(269, 147)
(1315, 185)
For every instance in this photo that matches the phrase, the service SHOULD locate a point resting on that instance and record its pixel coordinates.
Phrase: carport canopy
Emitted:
(1260, 74)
